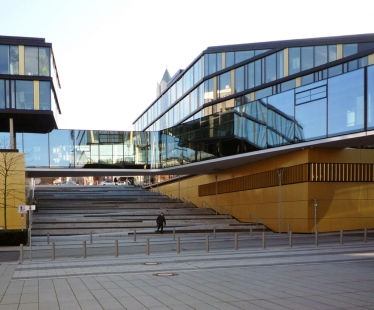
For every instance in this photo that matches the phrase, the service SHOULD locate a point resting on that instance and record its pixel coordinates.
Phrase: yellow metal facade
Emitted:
(341, 181)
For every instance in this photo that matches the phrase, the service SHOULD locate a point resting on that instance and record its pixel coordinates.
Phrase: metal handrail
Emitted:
(173, 196)
(226, 212)
(257, 219)
(185, 198)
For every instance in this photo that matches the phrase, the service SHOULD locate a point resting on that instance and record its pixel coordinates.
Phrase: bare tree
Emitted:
(10, 163)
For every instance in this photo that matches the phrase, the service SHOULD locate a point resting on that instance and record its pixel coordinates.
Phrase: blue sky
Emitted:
(110, 54)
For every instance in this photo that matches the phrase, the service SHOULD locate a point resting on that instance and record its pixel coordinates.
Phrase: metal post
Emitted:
(179, 187)
(316, 237)
(47, 238)
(315, 215)
(174, 234)
(30, 224)
(288, 228)
(207, 243)
(134, 234)
(91, 236)
(290, 238)
(365, 235)
(20, 253)
(280, 174)
(116, 247)
(341, 236)
(250, 231)
(236, 241)
(178, 244)
(263, 240)
(216, 194)
(147, 246)
(53, 251)
(214, 233)
(84, 249)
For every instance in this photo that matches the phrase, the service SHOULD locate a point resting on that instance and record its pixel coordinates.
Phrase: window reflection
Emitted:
(25, 95)
(31, 60)
(4, 59)
(224, 85)
(45, 95)
(2, 94)
(346, 103)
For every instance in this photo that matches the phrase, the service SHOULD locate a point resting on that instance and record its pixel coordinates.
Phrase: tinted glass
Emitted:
(244, 55)
(258, 71)
(332, 52)
(44, 62)
(4, 59)
(307, 58)
(239, 79)
(370, 97)
(346, 103)
(36, 145)
(230, 59)
(250, 75)
(219, 61)
(31, 61)
(25, 95)
(349, 49)
(212, 63)
(208, 91)
(320, 55)
(61, 148)
(45, 95)
(270, 68)
(14, 60)
(2, 94)
(293, 60)
(311, 120)
(280, 64)
(225, 88)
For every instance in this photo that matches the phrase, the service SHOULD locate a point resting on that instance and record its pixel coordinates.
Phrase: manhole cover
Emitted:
(165, 274)
(150, 264)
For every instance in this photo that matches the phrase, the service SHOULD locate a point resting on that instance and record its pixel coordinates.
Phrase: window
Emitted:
(280, 64)
(31, 61)
(25, 95)
(270, 68)
(208, 91)
(250, 75)
(230, 59)
(244, 55)
(349, 49)
(293, 60)
(239, 79)
(225, 88)
(320, 55)
(307, 58)
(44, 61)
(45, 95)
(332, 52)
(4, 59)
(2, 94)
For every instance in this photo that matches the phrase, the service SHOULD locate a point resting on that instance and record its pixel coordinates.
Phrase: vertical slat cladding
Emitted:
(310, 172)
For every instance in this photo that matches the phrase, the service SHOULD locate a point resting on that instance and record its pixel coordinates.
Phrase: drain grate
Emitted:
(151, 264)
(165, 274)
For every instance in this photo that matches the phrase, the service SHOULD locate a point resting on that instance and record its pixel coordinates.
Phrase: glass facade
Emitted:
(212, 71)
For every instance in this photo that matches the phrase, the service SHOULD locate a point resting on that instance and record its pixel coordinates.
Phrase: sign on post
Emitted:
(22, 209)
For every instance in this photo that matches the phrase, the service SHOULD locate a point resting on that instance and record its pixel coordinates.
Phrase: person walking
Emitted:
(161, 222)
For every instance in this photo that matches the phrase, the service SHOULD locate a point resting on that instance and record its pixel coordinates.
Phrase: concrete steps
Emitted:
(109, 209)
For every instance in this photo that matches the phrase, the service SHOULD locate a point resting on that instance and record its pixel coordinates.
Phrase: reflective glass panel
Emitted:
(307, 58)
(212, 63)
(2, 94)
(25, 95)
(270, 68)
(14, 60)
(332, 52)
(243, 55)
(208, 91)
(219, 61)
(250, 75)
(36, 145)
(346, 103)
(230, 59)
(45, 95)
(349, 49)
(311, 119)
(224, 89)
(4, 59)
(320, 55)
(280, 64)
(239, 79)
(31, 61)
(258, 71)
(179, 89)
(44, 61)
(370, 97)
(293, 60)
(61, 148)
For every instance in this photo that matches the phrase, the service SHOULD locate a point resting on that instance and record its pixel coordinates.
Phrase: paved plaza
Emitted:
(304, 276)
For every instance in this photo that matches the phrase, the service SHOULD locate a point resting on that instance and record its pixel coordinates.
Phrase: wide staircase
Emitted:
(80, 210)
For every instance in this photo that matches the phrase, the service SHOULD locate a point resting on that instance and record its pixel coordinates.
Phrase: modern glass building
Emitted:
(268, 129)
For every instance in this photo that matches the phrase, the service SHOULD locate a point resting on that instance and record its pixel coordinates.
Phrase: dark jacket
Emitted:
(161, 220)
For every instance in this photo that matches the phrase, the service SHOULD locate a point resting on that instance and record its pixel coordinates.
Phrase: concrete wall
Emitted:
(346, 205)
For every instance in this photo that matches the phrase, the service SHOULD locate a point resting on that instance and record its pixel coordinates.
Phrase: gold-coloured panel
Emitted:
(21, 61)
(36, 96)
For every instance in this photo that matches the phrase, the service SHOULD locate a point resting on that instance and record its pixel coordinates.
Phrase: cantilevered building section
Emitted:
(28, 85)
